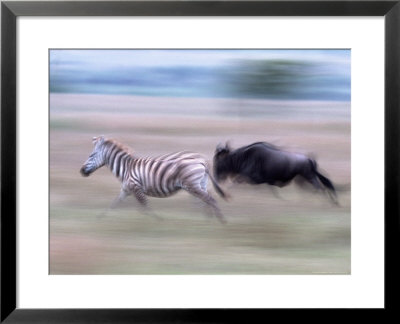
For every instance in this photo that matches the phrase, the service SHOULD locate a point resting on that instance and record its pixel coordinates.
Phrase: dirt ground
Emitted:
(287, 231)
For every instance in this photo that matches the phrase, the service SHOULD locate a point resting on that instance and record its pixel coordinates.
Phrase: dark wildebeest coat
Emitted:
(264, 163)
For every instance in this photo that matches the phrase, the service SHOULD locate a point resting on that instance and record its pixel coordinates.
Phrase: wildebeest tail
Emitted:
(324, 180)
(216, 186)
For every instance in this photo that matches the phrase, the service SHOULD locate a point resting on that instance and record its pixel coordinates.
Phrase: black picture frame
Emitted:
(10, 10)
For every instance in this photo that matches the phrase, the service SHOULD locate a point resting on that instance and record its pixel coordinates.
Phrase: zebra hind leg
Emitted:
(208, 199)
(203, 184)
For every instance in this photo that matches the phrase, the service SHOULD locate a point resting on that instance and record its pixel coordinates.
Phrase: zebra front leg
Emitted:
(142, 199)
(121, 197)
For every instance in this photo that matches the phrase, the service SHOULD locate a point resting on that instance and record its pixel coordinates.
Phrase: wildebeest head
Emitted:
(96, 158)
(221, 162)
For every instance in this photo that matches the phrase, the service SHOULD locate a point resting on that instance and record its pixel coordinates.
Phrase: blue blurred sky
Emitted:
(316, 74)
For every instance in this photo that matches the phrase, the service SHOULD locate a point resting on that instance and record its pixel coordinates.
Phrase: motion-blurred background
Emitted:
(159, 101)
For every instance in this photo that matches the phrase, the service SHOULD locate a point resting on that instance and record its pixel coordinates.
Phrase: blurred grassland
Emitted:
(299, 233)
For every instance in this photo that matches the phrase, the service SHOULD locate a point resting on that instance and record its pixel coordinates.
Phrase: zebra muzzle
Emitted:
(84, 172)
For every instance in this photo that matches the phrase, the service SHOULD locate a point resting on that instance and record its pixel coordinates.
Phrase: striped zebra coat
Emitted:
(160, 176)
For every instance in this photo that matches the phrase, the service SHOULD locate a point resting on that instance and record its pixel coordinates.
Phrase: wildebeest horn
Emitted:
(219, 147)
(228, 145)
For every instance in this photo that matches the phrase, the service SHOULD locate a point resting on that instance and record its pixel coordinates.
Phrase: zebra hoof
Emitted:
(222, 220)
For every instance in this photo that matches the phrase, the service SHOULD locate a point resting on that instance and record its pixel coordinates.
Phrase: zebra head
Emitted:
(96, 158)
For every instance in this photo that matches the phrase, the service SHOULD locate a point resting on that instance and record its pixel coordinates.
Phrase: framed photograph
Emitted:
(197, 161)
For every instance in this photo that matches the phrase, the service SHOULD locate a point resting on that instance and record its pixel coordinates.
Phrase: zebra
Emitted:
(160, 176)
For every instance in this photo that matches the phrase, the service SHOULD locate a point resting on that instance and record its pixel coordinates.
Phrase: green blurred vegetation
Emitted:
(278, 74)
(266, 78)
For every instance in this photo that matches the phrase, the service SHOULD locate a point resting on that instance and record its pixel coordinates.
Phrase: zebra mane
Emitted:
(111, 144)
(114, 143)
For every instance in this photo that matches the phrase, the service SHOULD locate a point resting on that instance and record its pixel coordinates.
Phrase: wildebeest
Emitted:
(262, 162)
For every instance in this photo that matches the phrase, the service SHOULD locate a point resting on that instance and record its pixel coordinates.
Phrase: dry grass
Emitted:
(299, 233)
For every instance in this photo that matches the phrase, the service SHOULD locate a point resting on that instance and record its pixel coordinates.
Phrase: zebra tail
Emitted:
(216, 186)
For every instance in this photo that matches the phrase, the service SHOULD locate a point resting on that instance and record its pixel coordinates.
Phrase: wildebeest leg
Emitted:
(142, 199)
(206, 197)
(323, 181)
(329, 186)
(317, 185)
(275, 192)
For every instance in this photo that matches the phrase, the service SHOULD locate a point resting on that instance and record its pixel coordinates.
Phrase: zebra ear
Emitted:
(98, 139)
